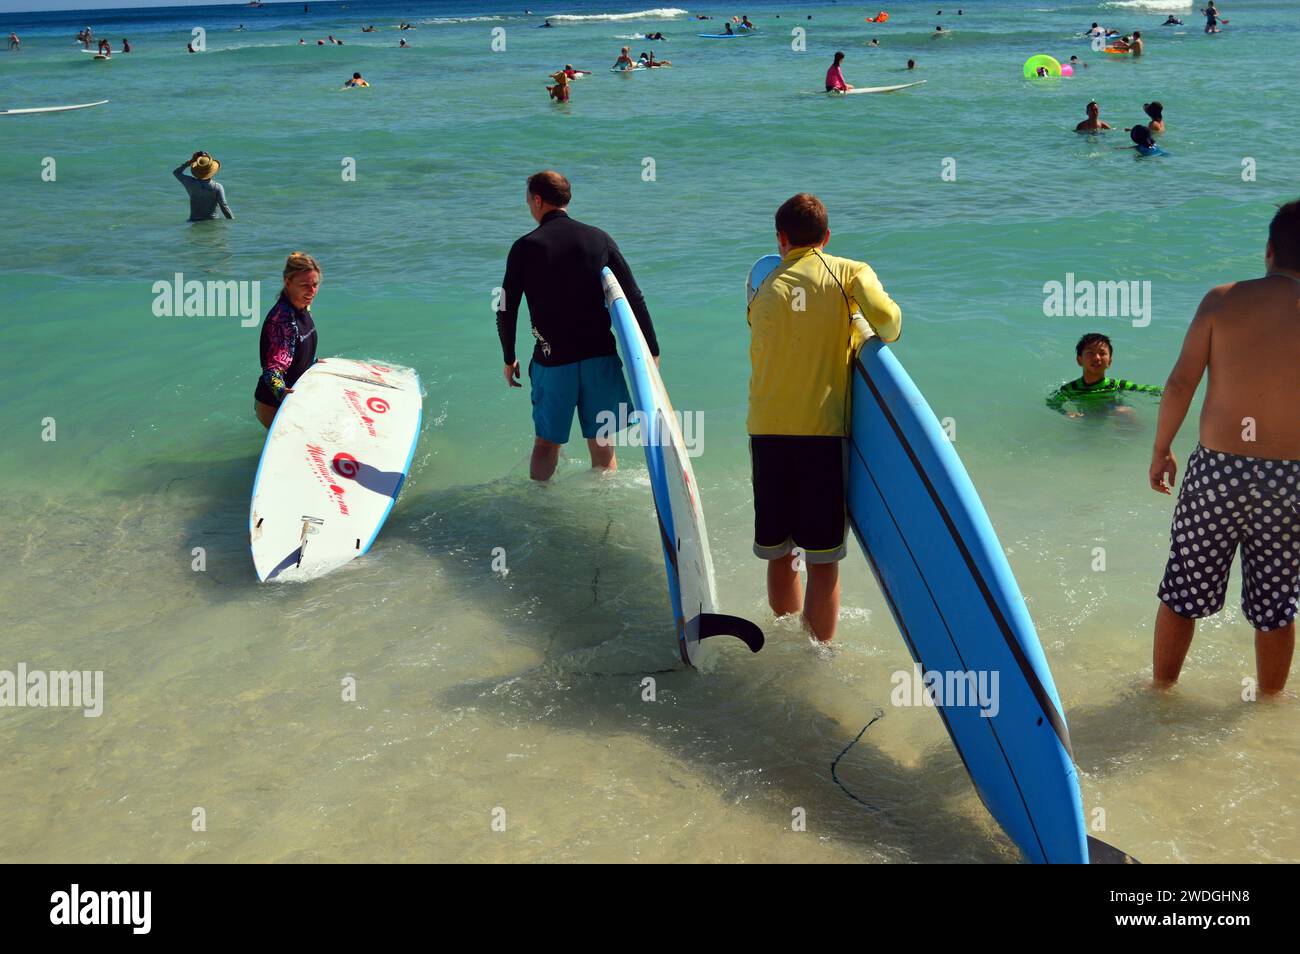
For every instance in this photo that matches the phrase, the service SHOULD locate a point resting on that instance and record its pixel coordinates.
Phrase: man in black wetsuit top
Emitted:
(575, 361)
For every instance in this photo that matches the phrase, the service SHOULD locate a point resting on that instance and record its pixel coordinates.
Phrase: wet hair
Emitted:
(1155, 110)
(1284, 236)
(839, 55)
(1142, 135)
(551, 187)
(1091, 103)
(802, 219)
(1093, 338)
(356, 76)
(299, 262)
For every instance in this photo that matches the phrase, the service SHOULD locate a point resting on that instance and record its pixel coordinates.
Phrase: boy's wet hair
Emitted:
(1284, 236)
(1092, 338)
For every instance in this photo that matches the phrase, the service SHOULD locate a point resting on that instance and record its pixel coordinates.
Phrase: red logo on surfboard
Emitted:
(345, 465)
(377, 404)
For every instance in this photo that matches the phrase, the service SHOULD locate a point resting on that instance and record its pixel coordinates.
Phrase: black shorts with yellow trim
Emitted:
(799, 497)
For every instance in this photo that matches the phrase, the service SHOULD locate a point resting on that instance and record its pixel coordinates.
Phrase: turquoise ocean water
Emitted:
(478, 691)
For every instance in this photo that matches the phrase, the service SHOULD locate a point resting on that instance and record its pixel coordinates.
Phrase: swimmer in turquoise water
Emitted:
(1156, 111)
(1094, 392)
(1093, 123)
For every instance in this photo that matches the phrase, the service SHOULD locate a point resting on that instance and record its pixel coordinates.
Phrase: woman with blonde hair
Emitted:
(288, 343)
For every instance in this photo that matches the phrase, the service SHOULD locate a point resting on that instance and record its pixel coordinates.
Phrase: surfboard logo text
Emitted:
(1089, 299)
(211, 299)
(316, 455)
(367, 421)
(629, 427)
(950, 689)
(132, 908)
(53, 689)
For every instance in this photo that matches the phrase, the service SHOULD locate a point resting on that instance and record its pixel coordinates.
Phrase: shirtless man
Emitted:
(1242, 484)
(1136, 45)
(1093, 123)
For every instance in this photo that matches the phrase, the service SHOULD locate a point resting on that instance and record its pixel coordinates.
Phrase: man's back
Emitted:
(1254, 369)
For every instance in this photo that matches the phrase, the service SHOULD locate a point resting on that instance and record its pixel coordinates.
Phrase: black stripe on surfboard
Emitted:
(1035, 685)
(907, 637)
(679, 620)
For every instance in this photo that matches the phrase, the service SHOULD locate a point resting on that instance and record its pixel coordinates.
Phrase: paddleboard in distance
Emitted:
(334, 461)
(877, 89)
(626, 69)
(692, 590)
(725, 36)
(947, 582)
(49, 109)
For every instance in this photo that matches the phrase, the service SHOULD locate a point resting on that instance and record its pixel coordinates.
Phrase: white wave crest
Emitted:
(1151, 6)
(659, 13)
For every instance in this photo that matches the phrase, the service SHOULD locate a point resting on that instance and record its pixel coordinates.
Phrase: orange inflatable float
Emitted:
(881, 17)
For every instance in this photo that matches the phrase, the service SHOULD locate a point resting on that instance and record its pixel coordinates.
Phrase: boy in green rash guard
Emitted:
(1094, 391)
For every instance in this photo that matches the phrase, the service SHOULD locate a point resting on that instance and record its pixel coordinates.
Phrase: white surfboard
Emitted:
(335, 458)
(878, 89)
(49, 109)
(692, 592)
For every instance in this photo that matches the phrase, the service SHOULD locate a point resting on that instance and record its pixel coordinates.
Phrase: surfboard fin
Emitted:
(719, 624)
(1100, 853)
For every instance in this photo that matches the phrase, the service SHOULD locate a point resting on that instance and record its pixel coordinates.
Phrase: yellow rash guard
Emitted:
(800, 347)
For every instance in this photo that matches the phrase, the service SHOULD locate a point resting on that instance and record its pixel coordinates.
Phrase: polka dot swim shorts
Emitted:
(1226, 500)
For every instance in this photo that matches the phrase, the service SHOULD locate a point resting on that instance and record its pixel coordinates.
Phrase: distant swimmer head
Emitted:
(802, 221)
(911, 64)
(1155, 110)
(1093, 110)
(356, 76)
(1141, 136)
(839, 57)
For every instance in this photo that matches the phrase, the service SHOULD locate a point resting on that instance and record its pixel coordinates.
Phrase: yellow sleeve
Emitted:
(881, 311)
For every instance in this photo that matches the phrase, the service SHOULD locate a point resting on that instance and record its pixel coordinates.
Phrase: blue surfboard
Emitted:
(692, 591)
(943, 572)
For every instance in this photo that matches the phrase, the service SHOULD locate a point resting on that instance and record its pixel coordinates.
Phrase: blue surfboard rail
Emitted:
(950, 588)
(636, 358)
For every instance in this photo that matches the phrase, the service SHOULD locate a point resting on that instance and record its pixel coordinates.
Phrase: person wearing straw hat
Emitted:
(206, 195)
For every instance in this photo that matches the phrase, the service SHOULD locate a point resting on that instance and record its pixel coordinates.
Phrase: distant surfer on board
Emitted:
(206, 195)
(1242, 485)
(575, 364)
(288, 341)
(801, 334)
(835, 77)
(355, 82)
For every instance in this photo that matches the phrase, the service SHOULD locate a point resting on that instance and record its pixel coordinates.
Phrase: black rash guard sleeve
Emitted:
(512, 287)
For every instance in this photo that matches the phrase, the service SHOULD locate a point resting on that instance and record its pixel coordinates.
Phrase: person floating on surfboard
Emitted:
(625, 61)
(835, 78)
(288, 339)
(1242, 483)
(206, 195)
(801, 333)
(356, 82)
(575, 364)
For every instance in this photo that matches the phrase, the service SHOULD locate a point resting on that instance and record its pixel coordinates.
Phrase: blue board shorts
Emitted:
(593, 387)
(1227, 501)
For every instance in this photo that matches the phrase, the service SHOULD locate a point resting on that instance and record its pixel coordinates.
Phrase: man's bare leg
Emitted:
(822, 607)
(783, 593)
(602, 455)
(1173, 639)
(546, 455)
(1273, 652)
